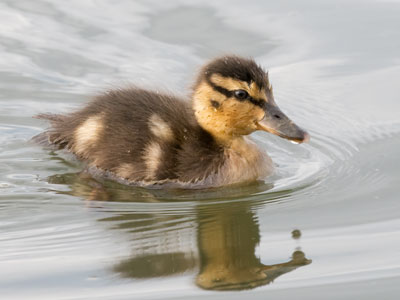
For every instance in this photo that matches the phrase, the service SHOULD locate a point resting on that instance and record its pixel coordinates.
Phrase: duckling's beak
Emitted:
(276, 122)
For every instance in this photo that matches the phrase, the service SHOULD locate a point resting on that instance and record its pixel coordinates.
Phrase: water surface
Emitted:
(326, 224)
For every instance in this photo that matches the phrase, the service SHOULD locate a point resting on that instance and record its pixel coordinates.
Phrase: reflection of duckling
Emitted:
(227, 236)
(227, 241)
(143, 137)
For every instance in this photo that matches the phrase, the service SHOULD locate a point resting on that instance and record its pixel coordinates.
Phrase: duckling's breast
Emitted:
(244, 162)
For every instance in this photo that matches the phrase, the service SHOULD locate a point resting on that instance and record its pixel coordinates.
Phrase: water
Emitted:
(325, 225)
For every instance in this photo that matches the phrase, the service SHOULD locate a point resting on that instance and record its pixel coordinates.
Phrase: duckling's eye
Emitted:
(241, 94)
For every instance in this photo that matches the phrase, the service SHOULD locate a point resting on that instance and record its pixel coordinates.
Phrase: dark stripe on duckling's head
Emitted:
(238, 68)
(239, 94)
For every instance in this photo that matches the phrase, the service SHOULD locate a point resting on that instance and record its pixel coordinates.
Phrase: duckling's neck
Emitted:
(239, 144)
(244, 161)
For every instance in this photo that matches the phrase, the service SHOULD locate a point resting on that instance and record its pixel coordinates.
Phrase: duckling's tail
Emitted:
(50, 117)
(50, 138)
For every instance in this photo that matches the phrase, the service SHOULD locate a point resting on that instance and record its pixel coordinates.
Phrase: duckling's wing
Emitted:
(200, 158)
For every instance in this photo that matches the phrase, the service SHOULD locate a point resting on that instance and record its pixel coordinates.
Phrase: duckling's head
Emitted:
(233, 97)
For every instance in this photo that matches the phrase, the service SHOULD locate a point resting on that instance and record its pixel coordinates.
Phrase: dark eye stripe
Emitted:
(222, 90)
(258, 102)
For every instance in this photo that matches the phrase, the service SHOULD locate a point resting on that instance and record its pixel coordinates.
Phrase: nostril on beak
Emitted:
(277, 116)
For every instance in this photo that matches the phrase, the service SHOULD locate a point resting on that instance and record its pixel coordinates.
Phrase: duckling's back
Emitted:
(137, 136)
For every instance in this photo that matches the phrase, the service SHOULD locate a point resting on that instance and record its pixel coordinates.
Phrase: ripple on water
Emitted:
(60, 228)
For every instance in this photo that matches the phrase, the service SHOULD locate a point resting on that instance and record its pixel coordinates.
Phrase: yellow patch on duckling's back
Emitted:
(152, 159)
(86, 135)
(160, 128)
(125, 170)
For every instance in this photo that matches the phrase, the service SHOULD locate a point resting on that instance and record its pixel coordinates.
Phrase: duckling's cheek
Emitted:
(88, 133)
(152, 159)
(259, 114)
(160, 128)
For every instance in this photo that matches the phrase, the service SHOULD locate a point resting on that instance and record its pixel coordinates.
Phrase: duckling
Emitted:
(141, 137)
